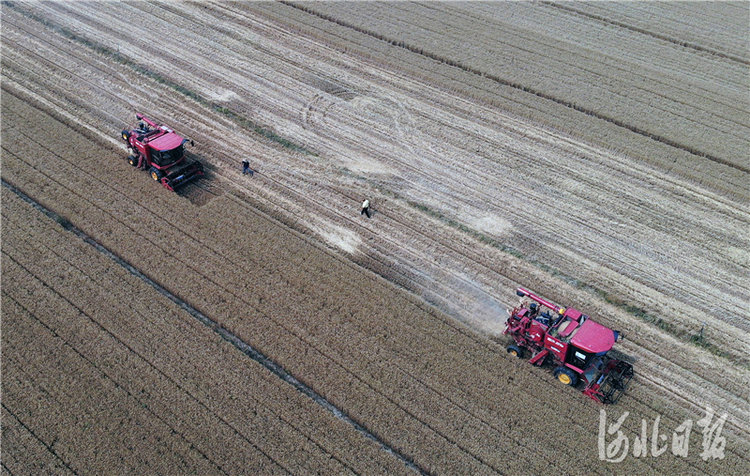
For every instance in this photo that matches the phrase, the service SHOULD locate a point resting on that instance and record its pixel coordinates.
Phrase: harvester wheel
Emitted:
(125, 135)
(566, 376)
(133, 160)
(156, 174)
(515, 351)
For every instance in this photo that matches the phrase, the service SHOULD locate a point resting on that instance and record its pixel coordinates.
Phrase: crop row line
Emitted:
(159, 78)
(36, 437)
(648, 95)
(222, 332)
(98, 324)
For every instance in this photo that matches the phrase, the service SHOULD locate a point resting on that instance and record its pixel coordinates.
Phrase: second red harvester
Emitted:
(572, 342)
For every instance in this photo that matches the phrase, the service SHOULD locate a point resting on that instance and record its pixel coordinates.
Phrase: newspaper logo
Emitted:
(614, 445)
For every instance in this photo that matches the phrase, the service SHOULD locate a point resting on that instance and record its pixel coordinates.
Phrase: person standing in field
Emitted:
(365, 208)
(246, 168)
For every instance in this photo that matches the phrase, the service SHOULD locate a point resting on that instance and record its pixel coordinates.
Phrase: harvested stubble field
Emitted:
(595, 153)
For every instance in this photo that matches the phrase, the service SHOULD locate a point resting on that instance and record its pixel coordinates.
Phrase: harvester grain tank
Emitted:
(161, 151)
(573, 343)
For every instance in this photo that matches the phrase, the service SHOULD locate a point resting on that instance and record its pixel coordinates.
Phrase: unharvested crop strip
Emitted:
(78, 352)
(238, 343)
(686, 44)
(93, 279)
(504, 82)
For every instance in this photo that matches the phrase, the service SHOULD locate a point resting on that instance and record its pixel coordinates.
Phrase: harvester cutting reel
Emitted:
(612, 383)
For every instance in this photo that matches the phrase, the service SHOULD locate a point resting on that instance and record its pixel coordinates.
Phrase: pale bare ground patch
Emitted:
(341, 238)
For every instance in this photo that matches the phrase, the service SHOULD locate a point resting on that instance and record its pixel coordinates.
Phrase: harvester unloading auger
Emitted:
(573, 343)
(161, 151)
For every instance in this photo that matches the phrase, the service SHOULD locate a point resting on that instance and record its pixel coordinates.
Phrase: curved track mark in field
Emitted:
(242, 346)
(684, 44)
(421, 51)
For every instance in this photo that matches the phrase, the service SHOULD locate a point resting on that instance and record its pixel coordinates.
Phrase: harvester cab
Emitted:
(161, 151)
(575, 344)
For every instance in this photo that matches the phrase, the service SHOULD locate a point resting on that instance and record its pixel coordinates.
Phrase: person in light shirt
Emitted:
(365, 208)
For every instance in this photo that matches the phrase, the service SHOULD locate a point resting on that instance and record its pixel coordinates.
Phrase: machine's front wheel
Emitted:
(156, 174)
(515, 351)
(566, 376)
(133, 160)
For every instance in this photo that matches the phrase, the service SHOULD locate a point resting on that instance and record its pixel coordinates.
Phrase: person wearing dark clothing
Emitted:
(365, 208)
(246, 168)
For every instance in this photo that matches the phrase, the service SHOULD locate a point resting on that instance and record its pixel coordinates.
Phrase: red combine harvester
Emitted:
(573, 343)
(158, 149)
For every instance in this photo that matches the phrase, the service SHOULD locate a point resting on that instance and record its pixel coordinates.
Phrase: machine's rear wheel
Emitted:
(566, 376)
(515, 351)
(133, 160)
